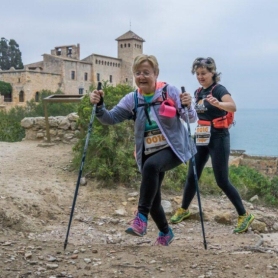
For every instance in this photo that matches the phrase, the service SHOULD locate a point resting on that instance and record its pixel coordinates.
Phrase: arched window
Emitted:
(37, 97)
(21, 96)
(96, 61)
(129, 45)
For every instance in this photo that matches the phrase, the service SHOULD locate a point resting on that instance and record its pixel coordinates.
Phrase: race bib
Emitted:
(202, 135)
(154, 141)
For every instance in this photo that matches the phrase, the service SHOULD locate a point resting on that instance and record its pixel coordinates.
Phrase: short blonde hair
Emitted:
(143, 58)
(207, 63)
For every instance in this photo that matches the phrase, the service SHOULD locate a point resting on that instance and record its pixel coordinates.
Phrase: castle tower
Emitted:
(130, 45)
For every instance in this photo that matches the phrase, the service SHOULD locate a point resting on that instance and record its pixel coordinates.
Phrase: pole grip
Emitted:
(99, 85)
(183, 91)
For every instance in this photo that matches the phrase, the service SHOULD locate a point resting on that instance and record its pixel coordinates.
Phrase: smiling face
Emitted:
(145, 77)
(204, 76)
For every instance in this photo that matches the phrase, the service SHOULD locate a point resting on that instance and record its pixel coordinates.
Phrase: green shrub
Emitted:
(10, 128)
(5, 88)
(248, 182)
(109, 156)
(271, 192)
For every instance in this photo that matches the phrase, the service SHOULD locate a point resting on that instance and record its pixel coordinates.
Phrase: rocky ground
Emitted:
(37, 189)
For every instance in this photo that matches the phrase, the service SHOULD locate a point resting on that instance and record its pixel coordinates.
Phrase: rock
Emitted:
(87, 260)
(167, 206)
(275, 226)
(224, 218)
(258, 226)
(120, 212)
(45, 145)
(177, 199)
(254, 198)
(83, 181)
(133, 194)
(52, 266)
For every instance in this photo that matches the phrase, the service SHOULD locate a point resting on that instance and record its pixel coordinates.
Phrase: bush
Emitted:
(271, 192)
(10, 128)
(109, 156)
(5, 88)
(247, 181)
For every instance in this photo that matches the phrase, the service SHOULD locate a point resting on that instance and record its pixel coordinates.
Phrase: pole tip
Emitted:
(65, 245)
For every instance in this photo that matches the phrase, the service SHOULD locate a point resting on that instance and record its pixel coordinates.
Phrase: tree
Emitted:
(10, 55)
(5, 88)
(4, 56)
(15, 55)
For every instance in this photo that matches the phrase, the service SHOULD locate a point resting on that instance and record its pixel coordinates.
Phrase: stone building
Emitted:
(63, 70)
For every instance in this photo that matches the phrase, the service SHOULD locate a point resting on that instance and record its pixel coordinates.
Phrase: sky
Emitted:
(241, 36)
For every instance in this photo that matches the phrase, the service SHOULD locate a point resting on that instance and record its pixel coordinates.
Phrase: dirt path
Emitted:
(36, 195)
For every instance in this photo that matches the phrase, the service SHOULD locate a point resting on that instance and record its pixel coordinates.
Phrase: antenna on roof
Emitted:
(129, 25)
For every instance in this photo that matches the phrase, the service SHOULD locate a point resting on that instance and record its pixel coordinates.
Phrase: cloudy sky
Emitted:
(241, 35)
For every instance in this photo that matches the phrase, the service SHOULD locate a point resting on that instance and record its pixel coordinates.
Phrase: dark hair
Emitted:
(207, 63)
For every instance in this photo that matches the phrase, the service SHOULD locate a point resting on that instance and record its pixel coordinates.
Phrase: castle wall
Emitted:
(29, 82)
(73, 86)
(105, 66)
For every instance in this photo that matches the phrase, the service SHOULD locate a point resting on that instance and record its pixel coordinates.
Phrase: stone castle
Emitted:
(63, 70)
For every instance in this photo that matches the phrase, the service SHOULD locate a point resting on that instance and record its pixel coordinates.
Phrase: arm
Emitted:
(122, 111)
(226, 104)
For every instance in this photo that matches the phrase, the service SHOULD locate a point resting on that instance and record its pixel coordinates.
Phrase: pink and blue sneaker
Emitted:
(138, 225)
(165, 239)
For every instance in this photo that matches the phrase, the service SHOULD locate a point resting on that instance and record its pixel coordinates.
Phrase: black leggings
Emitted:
(219, 150)
(153, 171)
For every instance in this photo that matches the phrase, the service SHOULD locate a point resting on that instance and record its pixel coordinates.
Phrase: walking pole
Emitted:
(195, 172)
(81, 167)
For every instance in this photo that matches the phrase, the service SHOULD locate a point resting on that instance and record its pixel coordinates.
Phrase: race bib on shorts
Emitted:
(202, 135)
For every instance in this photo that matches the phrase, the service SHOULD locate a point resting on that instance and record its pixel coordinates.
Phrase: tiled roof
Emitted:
(129, 35)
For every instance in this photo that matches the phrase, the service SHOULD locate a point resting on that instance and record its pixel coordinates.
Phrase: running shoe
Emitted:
(180, 215)
(138, 226)
(243, 222)
(165, 239)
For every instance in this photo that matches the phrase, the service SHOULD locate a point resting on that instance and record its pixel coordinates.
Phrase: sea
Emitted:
(255, 132)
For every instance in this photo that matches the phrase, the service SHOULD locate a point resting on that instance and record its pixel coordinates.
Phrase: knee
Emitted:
(150, 167)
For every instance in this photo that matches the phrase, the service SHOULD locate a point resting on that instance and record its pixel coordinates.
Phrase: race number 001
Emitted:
(155, 139)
